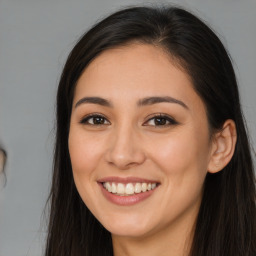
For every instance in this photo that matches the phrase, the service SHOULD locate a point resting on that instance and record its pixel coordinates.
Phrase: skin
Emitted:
(130, 144)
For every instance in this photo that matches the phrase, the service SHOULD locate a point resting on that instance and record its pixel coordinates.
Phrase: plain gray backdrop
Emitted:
(35, 38)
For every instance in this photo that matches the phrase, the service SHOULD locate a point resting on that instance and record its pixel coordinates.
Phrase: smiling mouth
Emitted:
(128, 189)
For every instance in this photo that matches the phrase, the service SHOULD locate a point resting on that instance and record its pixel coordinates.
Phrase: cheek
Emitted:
(182, 160)
(182, 156)
(84, 151)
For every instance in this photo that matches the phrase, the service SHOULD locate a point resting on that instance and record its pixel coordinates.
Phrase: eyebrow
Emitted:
(94, 100)
(142, 102)
(155, 100)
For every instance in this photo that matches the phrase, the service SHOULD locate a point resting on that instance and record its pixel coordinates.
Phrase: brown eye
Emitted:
(95, 120)
(160, 120)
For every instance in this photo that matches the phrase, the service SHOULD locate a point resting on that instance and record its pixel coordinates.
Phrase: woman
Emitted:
(152, 155)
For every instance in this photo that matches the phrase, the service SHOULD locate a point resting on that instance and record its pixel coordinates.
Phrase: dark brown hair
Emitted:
(3, 157)
(226, 223)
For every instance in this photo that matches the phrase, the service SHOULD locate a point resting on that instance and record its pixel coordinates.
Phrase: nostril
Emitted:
(125, 158)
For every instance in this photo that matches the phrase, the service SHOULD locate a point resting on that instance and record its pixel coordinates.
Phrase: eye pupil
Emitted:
(98, 120)
(160, 121)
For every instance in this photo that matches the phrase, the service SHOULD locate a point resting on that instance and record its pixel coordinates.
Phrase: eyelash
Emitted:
(161, 117)
(167, 120)
(86, 119)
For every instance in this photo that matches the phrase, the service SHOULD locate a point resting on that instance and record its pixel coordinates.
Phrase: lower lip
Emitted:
(126, 200)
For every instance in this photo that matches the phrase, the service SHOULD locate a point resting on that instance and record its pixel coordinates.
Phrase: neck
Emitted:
(173, 240)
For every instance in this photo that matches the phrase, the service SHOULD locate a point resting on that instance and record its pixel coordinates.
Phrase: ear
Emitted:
(223, 147)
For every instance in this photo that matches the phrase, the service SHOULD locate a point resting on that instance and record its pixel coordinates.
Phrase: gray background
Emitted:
(35, 38)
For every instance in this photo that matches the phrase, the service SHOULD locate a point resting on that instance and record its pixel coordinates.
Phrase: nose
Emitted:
(125, 149)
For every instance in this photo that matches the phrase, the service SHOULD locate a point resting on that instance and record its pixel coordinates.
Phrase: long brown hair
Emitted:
(226, 223)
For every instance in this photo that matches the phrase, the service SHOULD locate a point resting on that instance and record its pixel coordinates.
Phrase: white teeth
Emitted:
(114, 189)
(144, 187)
(137, 188)
(108, 187)
(128, 189)
(120, 188)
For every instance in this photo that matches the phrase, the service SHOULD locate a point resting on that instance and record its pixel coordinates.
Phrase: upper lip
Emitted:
(126, 180)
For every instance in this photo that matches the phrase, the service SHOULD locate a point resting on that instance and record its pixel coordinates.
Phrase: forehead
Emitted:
(135, 71)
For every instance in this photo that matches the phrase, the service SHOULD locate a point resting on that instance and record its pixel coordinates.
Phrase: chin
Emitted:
(128, 228)
(129, 232)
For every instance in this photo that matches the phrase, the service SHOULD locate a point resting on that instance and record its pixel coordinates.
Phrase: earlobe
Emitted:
(223, 147)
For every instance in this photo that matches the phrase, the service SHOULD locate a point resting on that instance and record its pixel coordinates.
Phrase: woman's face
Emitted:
(139, 141)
